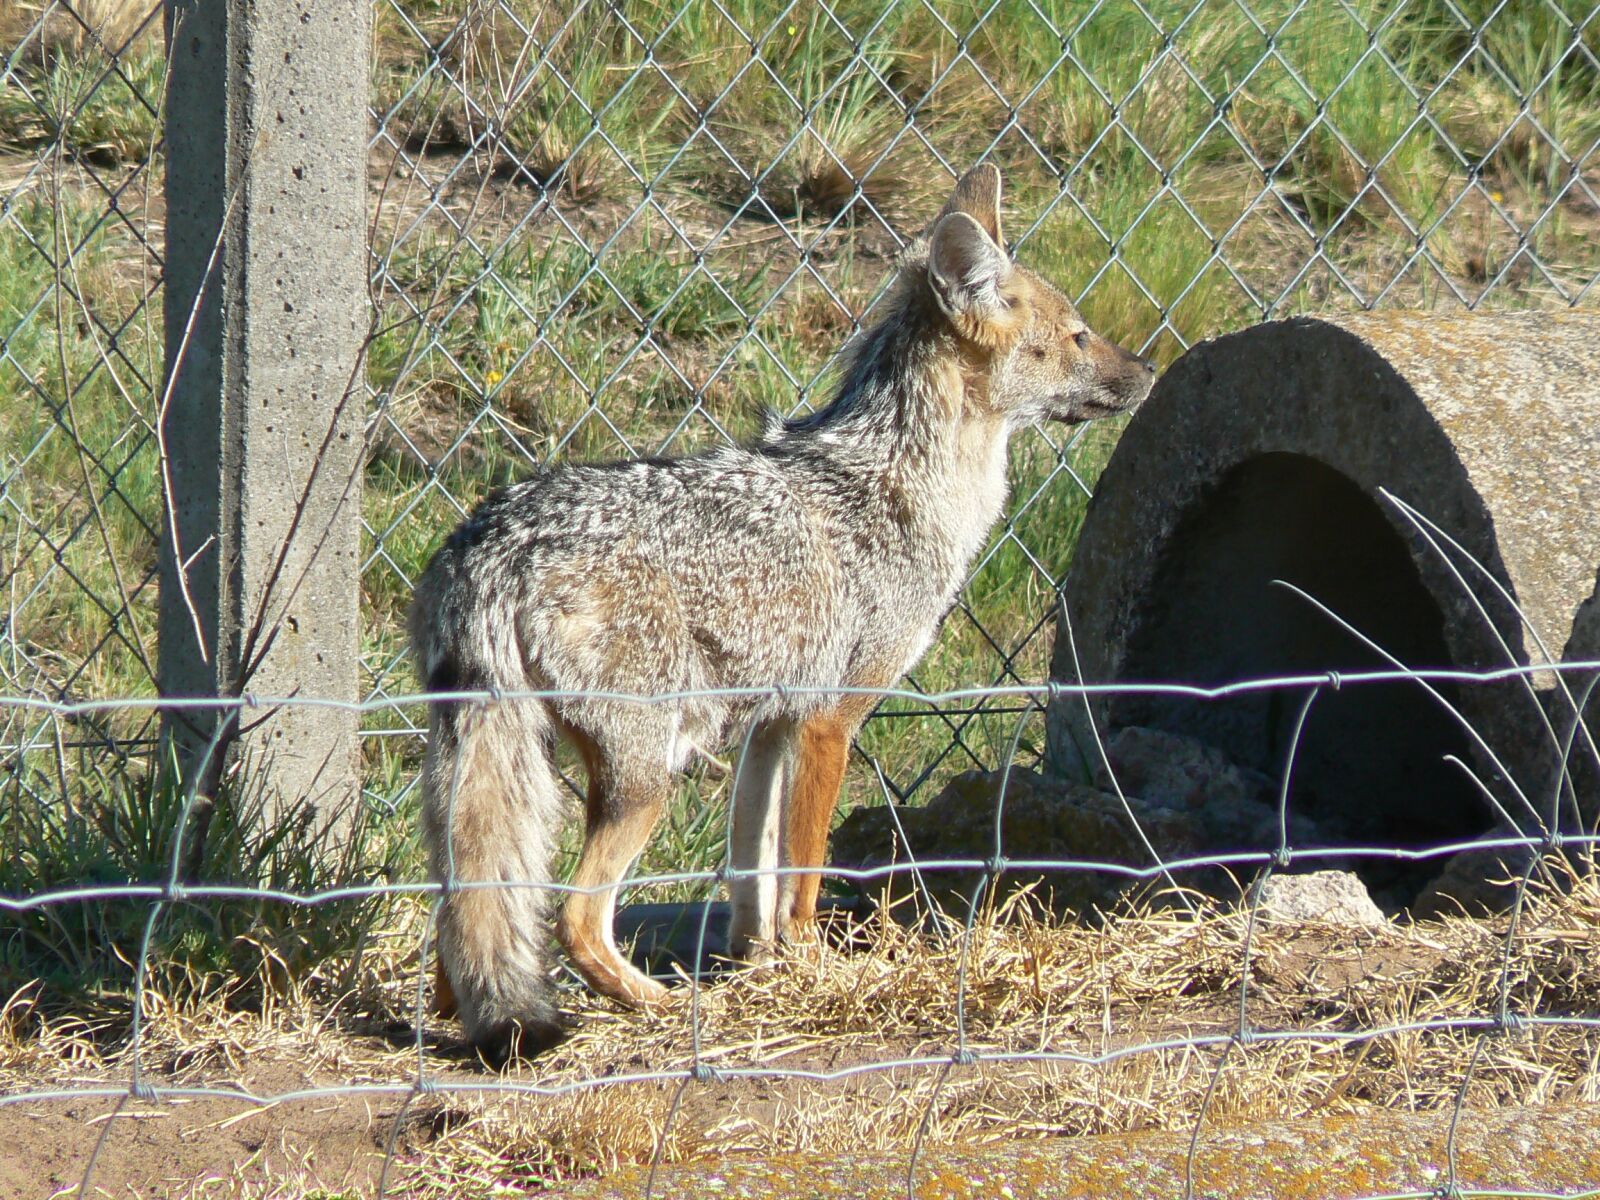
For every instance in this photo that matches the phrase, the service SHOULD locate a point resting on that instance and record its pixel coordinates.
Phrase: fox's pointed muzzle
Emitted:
(1117, 381)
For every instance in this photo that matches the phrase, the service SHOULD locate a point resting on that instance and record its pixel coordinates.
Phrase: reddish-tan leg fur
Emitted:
(444, 996)
(619, 820)
(615, 837)
(822, 749)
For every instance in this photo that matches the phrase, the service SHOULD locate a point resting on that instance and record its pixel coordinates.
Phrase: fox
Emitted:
(824, 554)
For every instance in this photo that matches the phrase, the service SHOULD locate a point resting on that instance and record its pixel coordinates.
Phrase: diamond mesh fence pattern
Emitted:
(606, 229)
(610, 229)
(80, 365)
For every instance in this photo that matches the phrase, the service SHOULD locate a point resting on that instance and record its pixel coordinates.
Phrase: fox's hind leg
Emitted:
(622, 810)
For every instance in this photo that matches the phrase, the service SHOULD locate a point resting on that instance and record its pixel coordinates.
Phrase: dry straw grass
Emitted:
(1032, 985)
(44, 30)
(1036, 985)
(1140, 984)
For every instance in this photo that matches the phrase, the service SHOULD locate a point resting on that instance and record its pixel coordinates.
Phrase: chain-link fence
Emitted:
(613, 229)
(604, 229)
(80, 355)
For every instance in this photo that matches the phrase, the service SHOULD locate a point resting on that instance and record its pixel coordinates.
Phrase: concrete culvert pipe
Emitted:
(1291, 451)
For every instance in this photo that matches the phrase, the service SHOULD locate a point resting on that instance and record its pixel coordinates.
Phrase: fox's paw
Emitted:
(646, 994)
(800, 933)
(752, 951)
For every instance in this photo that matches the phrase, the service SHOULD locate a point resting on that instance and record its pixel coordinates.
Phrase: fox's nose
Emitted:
(1137, 359)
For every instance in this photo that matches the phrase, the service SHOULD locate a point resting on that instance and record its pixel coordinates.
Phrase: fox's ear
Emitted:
(966, 270)
(978, 195)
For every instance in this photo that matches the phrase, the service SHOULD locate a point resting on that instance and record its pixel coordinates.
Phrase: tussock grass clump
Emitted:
(89, 80)
(550, 95)
(40, 30)
(805, 111)
(127, 824)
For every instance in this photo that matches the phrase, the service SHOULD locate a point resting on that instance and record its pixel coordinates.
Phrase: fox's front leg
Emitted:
(822, 748)
(758, 788)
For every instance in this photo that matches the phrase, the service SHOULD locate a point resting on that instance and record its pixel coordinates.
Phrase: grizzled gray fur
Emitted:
(823, 555)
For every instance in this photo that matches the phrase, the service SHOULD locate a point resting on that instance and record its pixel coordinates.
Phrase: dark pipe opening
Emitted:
(1370, 768)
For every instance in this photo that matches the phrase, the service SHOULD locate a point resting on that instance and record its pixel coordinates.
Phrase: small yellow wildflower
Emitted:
(492, 378)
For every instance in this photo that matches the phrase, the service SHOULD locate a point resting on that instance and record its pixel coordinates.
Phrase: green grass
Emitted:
(83, 105)
(122, 827)
(76, 450)
(1141, 150)
(549, 94)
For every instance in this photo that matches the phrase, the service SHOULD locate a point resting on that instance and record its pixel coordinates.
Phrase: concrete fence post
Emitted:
(266, 316)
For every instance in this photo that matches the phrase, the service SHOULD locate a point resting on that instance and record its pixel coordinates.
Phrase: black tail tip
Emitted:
(510, 1040)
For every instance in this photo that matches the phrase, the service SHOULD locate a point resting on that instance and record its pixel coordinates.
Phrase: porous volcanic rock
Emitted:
(1180, 800)
(1324, 897)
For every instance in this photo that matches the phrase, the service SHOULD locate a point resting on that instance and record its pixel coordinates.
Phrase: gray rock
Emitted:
(1235, 807)
(1044, 818)
(1474, 883)
(1183, 800)
(1328, 897)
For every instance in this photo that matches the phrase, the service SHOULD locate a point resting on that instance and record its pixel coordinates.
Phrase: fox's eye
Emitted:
(1082, 338)
(1036, 351)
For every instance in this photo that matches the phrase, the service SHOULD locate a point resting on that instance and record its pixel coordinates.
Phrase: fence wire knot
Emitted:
(1508, 1023)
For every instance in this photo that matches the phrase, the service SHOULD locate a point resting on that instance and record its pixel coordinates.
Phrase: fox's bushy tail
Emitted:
(491, 814)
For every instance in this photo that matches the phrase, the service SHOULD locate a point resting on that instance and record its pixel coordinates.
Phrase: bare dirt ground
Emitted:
(1555, 1151)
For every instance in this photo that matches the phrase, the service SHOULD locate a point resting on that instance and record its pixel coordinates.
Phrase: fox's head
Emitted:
(1040, 361)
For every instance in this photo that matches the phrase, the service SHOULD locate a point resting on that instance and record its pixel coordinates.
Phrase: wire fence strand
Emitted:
(621, 227)
(954, 1053)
